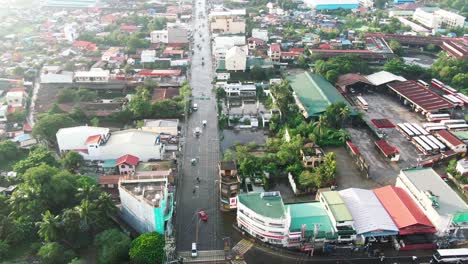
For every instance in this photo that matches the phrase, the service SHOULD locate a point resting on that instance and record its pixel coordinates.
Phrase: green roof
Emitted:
(221, 66)
(110, 163)
(462, 135)
(314, 92)
(251, 62)
(269, 204)
(461, 218)
(311, 214)
(337, 206)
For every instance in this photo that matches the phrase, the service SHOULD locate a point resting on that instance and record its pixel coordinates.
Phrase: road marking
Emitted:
(242, 247)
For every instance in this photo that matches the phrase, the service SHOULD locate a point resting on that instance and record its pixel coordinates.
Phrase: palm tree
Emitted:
(320, 126)
(342, 135)
(344, 113)
(87, 212)
(105, 205)
(49, 227)
(87, 192)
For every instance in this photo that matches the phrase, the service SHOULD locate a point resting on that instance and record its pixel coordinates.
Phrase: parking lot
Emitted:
(381, 106)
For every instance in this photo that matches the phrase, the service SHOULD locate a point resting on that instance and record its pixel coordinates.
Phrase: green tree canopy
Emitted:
(72, 161)
(113, 246)
(48, 124)
(148, 249)
(36, 157)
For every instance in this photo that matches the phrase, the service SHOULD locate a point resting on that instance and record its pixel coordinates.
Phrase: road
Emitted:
(191, 195)
(30, 117)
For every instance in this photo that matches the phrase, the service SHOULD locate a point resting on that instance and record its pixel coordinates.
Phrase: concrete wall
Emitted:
(138, 214)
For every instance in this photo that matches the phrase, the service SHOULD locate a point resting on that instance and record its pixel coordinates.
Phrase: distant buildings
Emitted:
(436, 18)
(93, 76)
(227, 22)
(174, 33)
(16, 97)
(260, 34)
(70, 3)
(332, 4)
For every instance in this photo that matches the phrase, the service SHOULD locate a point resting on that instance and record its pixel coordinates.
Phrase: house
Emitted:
(236, 59)
(177, 33)
(312, 155)
(235, 90)
(275, 52)
(435, 198)
(3, 113)
(110, 184)
(128, 28)
(339, 214)
(162, 126)
(148, 56)
(451, 141)
(229, 184)
(127, 164)
(146, 204)
(258, 33)
(254, 43)
(227, 22)
(462, 166)
(16, 97)
(74, 138)
(112, 53)
(85, 46)
(95, 75)
(159, 36)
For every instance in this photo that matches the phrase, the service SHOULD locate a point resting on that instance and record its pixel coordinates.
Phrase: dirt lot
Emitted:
(386, 106)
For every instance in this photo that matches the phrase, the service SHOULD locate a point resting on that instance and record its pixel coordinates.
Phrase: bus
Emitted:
(420, 129)
(435, 128)
(423, 83)
(454, 255)
(453, 122)
(454, 100)
(437, 142)
(431, 144)
(405, 131)
(414, 130)
(437, 117)
(422, 146)
(437, 83)
(362, 103)
(449, 90)
(462, 127)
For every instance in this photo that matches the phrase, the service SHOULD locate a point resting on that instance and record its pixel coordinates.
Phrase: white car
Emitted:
(197, 131)
(195, 107)
(194, 250)
(204, 123)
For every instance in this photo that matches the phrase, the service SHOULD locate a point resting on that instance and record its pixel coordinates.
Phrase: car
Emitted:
(204, 123)
(195, 107)
(197, 131)
(194, 250)
(203, 216)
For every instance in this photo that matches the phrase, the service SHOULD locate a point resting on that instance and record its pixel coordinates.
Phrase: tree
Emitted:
(332, 76)
(77, 261)
(49, 227)
(95, 121)
(52, 253)
(4, 249)
(112, 246)
(48, 124)
(148, 248)
(18, 116)
(140, 104)
(320, 126)
(72, 161)
(257, 73)
(307, 179)
(36, 157)
(18, 71)
(460, 80)
(395, 46)
(8, 152)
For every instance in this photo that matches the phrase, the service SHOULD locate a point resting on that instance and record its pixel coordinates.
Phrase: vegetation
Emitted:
(410, 71)
(148, 248)
(336, 66)
(451, 71)
(70, 95)
(48, 125)
(113, 246)
(451, 168)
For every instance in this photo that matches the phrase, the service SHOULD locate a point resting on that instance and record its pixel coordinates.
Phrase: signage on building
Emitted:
(233, 202)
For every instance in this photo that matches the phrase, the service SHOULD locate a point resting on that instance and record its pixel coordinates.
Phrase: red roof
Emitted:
(93, 139)
(350, 79)
(386, 148)
(109, 179)
(19, 89)
(128, 28)
(407, 216)
(85, 45)
(449, 138)
(160, 73)
(289, 54)
(297, 50)
(419, 95)
(324, 46)
(382, 123)
(127, 159)
(353, 147)
(177, 45)
(275, 47)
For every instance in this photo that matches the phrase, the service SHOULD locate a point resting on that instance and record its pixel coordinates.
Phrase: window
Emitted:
(276, 225)
(122, 166)
(274, 241)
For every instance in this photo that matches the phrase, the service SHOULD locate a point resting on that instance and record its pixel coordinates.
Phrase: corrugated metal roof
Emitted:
(368, 213)
(337, 206)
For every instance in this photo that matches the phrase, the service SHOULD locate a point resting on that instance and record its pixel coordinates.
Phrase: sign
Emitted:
(202, 98)
(233, 202)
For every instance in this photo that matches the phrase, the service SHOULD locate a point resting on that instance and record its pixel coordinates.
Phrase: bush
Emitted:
(51, 253)
(148, 249)
(4, 249)
(112, 246)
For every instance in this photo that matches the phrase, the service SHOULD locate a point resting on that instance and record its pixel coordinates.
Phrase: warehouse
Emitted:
(332, 4)
(421, 99)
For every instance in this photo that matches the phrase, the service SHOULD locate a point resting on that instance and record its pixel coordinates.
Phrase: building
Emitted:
(103, 145)
(127, 164)
(462, 166)
(148, 56)
(229, 184)
(70, 31)
(95, 75)
(367, 3)
(221, 44)
(146, 203)
(159, 36)
(274, 52)
(3, 113)
(332, 4)
(265, 217)
(403, 2)
(259, 33)
(451, 141)
(177, 33)
(162, 126)
(370, 217)
(434, 197)
(436, 18)
(313, 94)
(112, 53)
(236, 90)
(70, 3)
(339, 214)
(404, 212)
(236, 59)
(16, 97)
(312, 155)
(228, 22)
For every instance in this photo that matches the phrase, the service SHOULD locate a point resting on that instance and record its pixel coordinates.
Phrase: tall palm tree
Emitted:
(87, 212)
(320, 126)
(105, 205)
(344, 113)
(49, 227)
(87, 192)
(342, 135)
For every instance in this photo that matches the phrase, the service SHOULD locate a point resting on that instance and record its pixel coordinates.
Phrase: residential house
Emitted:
(148, 56)
(258, 33)
(112, 53)
(312, 155)
(127, 164)
(254, 43)
(177, 33)
(275, 52)
(240, 90)
(159, 36)
(462, 166)
(16, 97)
(451, 141)
(110, 184)
(229, 184)
(236, 59)
(85, 46)
(3, 113)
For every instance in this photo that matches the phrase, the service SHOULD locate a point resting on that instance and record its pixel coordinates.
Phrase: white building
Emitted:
(228, 22)
(159, 36)
(435, 198)
(95, 75)
(240, 90)
(462, 166)
(3, 113)
(174, 33)
(162, 126)
(260, 34)
(148, 56)
(236, 59)
(16, 97)
(95, 143)
(436, 18)
(221, 44)
(71, 31)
